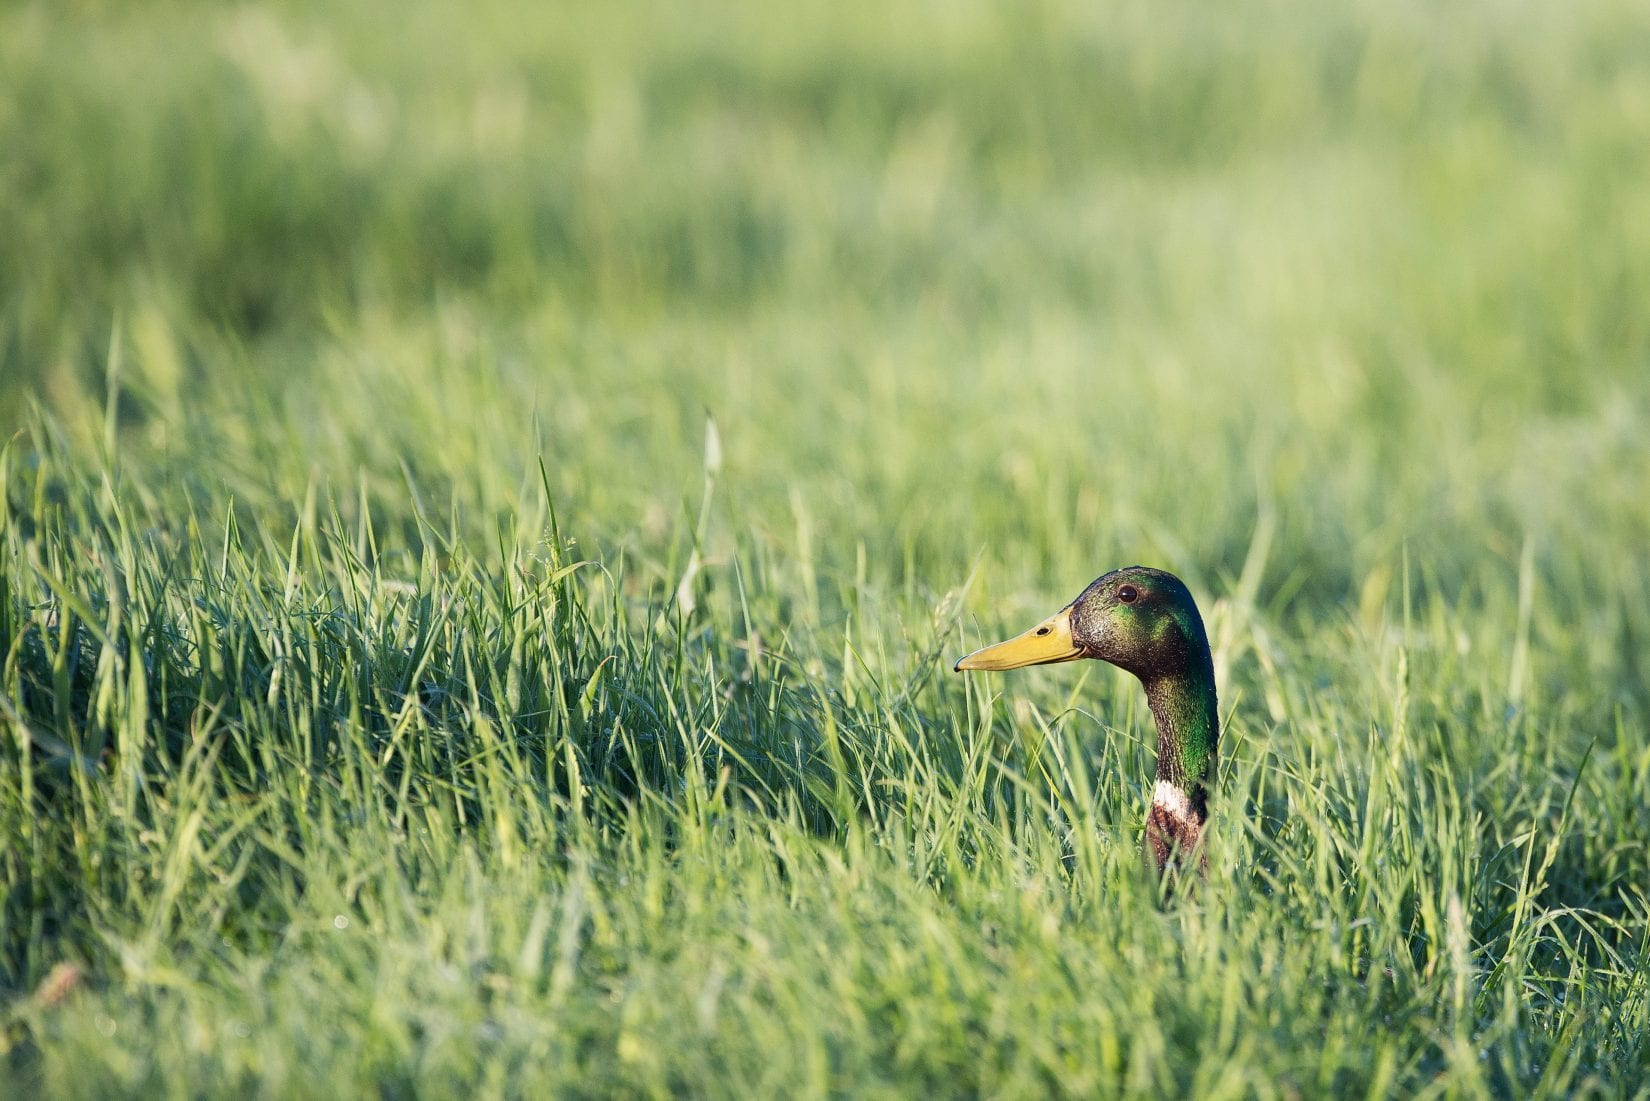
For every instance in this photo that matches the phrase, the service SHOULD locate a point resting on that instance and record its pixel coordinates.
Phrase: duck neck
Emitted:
(1188, 731)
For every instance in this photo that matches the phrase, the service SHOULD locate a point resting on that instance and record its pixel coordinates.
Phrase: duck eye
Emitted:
(1128, 594)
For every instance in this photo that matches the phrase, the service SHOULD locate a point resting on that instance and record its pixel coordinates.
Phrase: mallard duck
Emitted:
(1145, 621)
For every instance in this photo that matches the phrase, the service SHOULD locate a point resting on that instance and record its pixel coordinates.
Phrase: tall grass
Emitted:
(495, 497)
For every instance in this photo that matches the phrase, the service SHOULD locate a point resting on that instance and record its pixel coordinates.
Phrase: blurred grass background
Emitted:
(848, 337)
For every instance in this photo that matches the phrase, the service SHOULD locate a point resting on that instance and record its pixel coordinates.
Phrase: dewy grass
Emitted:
(487, 513)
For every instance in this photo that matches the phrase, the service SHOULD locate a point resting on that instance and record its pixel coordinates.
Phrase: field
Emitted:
(491, 496)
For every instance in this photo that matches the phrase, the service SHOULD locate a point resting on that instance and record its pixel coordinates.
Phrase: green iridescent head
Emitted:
(1137, 618)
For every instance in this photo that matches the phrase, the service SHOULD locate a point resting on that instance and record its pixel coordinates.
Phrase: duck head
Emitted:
(1137, 618)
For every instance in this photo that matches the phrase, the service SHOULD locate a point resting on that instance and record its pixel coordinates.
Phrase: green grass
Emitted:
(491, 498)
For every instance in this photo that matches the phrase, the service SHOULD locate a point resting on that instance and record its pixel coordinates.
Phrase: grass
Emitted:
(489, 510)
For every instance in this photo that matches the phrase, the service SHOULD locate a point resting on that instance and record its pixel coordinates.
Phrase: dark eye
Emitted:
(1128, 594)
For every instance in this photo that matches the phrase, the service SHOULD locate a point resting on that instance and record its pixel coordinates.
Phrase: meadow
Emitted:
(490, 497)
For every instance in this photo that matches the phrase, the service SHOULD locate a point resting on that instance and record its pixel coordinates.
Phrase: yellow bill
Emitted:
(1050, 641)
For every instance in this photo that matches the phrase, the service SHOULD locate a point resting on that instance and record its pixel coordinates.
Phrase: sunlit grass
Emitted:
(490, 509)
